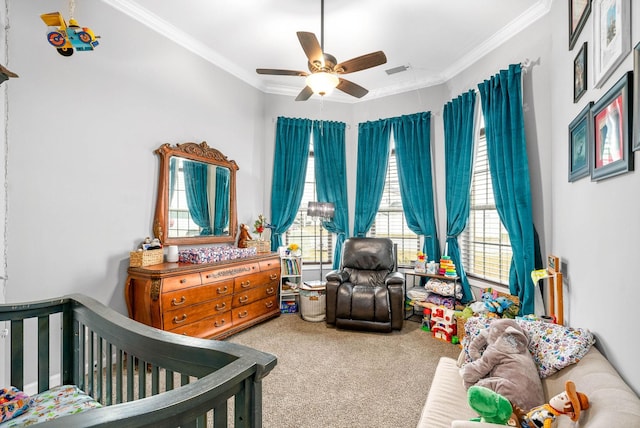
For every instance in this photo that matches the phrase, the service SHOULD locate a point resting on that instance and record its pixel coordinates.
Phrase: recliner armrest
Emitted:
(394, 278)
(339, 276)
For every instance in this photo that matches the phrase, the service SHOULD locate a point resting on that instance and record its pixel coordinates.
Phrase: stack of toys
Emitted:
(447, 267)
(443, 323)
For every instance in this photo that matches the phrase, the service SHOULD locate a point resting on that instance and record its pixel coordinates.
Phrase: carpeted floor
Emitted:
(326, 377)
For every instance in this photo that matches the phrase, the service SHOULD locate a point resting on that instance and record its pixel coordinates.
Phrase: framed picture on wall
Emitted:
(578, 13)
(611, 37)
(611, 154)
(636, 97)
(580, 144)
(580, 73)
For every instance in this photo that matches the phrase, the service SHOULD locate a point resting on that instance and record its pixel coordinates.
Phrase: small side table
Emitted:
(414, 275)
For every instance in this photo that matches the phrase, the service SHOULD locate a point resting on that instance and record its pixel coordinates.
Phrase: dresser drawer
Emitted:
(186, 315)
(178, 282)
(206, 327)
(253, 310)
(220, 274)
(190, 296)
(273, 263)
(247, 282)
(253, 294)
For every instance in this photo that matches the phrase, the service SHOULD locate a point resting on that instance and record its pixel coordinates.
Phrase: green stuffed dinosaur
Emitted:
(490, 406)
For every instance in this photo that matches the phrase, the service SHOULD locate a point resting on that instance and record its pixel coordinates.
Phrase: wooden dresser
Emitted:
(212, 300)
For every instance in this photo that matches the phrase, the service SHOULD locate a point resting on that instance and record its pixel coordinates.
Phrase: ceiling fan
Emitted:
(324, 69)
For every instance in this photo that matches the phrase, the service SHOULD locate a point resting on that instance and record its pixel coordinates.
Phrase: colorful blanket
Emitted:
(56, 402)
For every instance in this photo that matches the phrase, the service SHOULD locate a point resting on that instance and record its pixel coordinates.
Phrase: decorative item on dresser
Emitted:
(209, 300)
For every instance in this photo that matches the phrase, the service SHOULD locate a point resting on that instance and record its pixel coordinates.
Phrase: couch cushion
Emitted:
(612, 402)
(447, 399)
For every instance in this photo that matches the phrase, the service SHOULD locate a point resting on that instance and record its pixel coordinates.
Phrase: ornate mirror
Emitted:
(196, 195)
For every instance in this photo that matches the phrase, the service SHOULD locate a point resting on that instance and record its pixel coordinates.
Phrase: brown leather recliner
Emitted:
(366, 293)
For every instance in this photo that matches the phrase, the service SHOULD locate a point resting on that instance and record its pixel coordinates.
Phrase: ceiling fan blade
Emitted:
(311, 47)
(281, 72)
(305, 94)
(351, 88)
(363, 62)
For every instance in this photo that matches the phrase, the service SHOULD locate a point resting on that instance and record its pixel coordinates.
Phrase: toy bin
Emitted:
(313, 301)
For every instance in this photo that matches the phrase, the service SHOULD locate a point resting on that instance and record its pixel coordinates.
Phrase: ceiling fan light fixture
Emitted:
(322, 83)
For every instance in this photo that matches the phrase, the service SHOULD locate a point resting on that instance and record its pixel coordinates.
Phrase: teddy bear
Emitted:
(495, 408)
(244, 236)
(501, 361)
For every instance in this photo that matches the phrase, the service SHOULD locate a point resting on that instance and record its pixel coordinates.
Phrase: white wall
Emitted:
(82, 173)
(82, 133)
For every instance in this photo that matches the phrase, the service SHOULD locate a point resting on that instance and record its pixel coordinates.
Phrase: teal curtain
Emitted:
(458, 116)
(195, 181)
(221, 216)
(373, 158)
(331, 179)
(501, 97)
(412, 134)
(289, 170)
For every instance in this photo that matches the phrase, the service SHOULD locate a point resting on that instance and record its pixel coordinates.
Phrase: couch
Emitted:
(612, 402)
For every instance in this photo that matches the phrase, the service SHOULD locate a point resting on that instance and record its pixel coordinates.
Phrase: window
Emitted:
(305, 230)
(485, 246)
(390, 221)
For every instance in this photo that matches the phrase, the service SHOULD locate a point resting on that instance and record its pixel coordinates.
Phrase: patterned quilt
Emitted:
(56, 402)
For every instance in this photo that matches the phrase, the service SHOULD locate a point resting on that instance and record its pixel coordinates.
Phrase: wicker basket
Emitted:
(262, 246)
(145, 258)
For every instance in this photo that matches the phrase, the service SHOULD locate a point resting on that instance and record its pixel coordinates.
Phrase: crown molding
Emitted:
(154, 22)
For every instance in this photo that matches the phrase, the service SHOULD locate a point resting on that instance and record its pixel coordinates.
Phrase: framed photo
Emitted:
(611, 154)
(580, 73)
(580, 144)
(611, 37)
(636, 97)
(578, 13)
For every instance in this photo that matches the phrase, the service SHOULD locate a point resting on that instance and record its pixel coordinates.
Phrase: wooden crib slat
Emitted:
(109, 375)
(43, 353)
(220, 415)
(80, 355)
(130, 379)
(155, 380)
(142, 379)
(168, 380)
(119, 375)
(99, 369)
(17, 354)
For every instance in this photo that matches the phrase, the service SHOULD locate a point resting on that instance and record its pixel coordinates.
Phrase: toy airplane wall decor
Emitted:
(67, 38)
(5, 73)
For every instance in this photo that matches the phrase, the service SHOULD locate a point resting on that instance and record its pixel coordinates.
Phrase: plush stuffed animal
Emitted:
(495, 408)
(490, 406)
(505, 366)
(570, 403)
(244, 236)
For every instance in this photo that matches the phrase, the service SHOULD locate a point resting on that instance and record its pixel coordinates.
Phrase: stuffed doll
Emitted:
(244, 236)
(570, 403)
(495, 408)
(505, 366)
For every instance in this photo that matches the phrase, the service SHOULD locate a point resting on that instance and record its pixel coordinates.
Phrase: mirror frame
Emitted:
(197, 152)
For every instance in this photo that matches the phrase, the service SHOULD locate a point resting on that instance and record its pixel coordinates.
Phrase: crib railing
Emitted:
(143, 376)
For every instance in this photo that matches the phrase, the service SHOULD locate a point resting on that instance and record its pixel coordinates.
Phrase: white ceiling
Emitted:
(435, 39)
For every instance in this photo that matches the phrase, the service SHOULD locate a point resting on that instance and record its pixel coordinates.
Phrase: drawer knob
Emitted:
(219, 323)
(271, 290)
(243, 314)
(244, 299)
(177, 320)
(245, 284)
(183, 280)
(224, 290)
(273, 276)
(221, 306)
(174, 302)
(269, 304)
